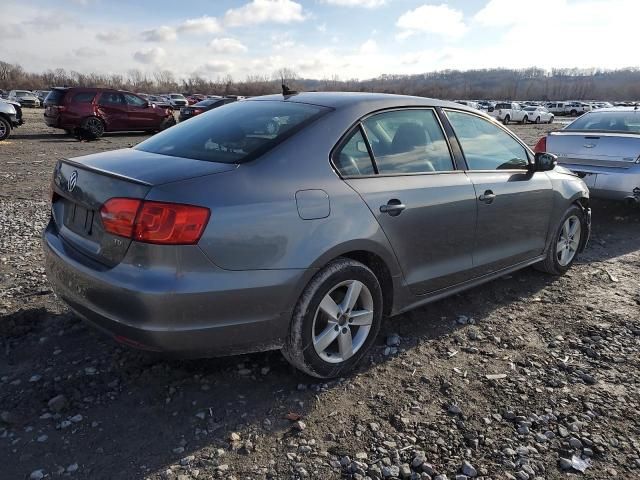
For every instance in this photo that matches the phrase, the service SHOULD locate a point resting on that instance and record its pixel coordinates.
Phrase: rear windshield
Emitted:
(503, 106)
(623, 121)
(235, 133)
(55, 97)
(177, 96)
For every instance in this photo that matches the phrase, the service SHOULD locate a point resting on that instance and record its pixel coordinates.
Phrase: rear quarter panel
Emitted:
(255, 222)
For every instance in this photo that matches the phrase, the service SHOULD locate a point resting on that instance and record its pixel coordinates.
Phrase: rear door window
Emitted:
(408, 141)
(112, 98)
(237, 133)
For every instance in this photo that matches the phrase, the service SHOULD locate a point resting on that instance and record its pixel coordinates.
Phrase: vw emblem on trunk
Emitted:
(73, 179)
(589, 145)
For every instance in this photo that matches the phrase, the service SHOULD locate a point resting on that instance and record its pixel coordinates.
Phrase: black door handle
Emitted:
(393, 207)
(487, 197)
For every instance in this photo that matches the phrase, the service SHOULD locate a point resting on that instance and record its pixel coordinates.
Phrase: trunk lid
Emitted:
(82, 185)
(597, 149)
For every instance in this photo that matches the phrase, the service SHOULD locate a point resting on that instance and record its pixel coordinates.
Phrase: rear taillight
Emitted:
(541, 146)
(119, 216)
(197, 111)
(154, 222)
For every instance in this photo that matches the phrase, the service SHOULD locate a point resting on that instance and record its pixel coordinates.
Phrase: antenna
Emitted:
(286, 91)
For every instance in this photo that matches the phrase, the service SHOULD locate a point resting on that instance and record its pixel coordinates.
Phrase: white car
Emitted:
(507, 112)
(176, 100)
(24, 97)
(538, 115)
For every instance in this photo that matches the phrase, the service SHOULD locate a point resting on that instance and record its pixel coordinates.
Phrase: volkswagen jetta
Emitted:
(223, 235)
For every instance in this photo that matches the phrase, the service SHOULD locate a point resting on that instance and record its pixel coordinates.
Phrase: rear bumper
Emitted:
(194, 309)
(53, 122)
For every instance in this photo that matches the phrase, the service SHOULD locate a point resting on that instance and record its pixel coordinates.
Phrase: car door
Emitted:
(400, 163)
(112, 108)
(140, 114)
(513, 203)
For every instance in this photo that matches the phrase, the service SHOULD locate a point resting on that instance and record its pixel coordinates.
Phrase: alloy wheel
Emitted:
(342, 322)
(95, 126)
(3, 129)
(569, 240)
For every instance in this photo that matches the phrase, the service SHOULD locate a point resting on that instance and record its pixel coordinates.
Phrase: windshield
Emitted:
(531, 109)
(177, 96)
(22, 93)
(621, 121)
(235, 133)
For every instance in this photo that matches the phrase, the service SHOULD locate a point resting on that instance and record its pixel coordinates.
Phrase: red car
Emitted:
(195, 98)
(99, 110)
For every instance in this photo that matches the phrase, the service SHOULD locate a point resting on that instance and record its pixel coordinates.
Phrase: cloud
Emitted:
(215, 66)
(11, 30)
(88, 52)
(202, 25)
(357, 3)
(113, 36)
(160, 34)
(150, 56)
(227, 45)
(437, 19)
(502, 13)
(369, 47)
(263, 11)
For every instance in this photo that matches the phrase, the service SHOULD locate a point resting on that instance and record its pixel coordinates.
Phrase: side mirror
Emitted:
(544, 162)
(146, 105)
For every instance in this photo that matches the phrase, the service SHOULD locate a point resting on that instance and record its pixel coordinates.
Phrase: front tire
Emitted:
(566, 244)
(525, 120)
(537, 119)
(506, 120)
(336, 320)
(5, 128)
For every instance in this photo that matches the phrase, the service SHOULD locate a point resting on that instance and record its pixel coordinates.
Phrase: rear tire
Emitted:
(329, 335)
(551, 120)
(537, 119)
(566, 243)
(5, 128)
(92, 127)
(525, 120)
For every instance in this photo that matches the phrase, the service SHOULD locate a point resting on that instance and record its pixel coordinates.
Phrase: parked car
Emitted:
(177, 100)
(538, 115)
(469, 103)
(204, 106)
(99, 110)
(25, 98)
(171, 247)
(10, 117)
(557, 108)
(603, 148)
(576, 108)
(507, 112)
(195, 98)
(41, 94)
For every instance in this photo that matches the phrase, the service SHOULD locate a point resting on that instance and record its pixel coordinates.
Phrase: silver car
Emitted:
(222, 235)
(602, 147)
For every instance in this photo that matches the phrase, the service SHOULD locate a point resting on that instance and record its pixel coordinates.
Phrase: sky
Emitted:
(316, 38)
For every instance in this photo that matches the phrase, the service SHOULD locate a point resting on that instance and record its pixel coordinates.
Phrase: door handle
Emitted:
(487, 197)
(393, 207)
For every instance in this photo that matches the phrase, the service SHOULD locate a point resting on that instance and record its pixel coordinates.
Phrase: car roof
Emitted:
(616, 109)
(349, 99)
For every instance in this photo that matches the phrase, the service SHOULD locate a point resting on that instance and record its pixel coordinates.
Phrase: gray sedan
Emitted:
(222, 235)
(603, 148)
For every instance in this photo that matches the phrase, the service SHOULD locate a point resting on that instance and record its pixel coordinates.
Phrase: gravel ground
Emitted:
(528, 377)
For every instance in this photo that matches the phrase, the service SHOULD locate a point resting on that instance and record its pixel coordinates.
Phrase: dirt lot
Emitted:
(566, 351)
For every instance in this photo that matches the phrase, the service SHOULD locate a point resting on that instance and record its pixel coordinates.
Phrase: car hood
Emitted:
(10, 102)
(148, 168)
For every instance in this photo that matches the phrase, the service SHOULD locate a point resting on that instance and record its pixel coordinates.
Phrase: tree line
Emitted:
(497, 83)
